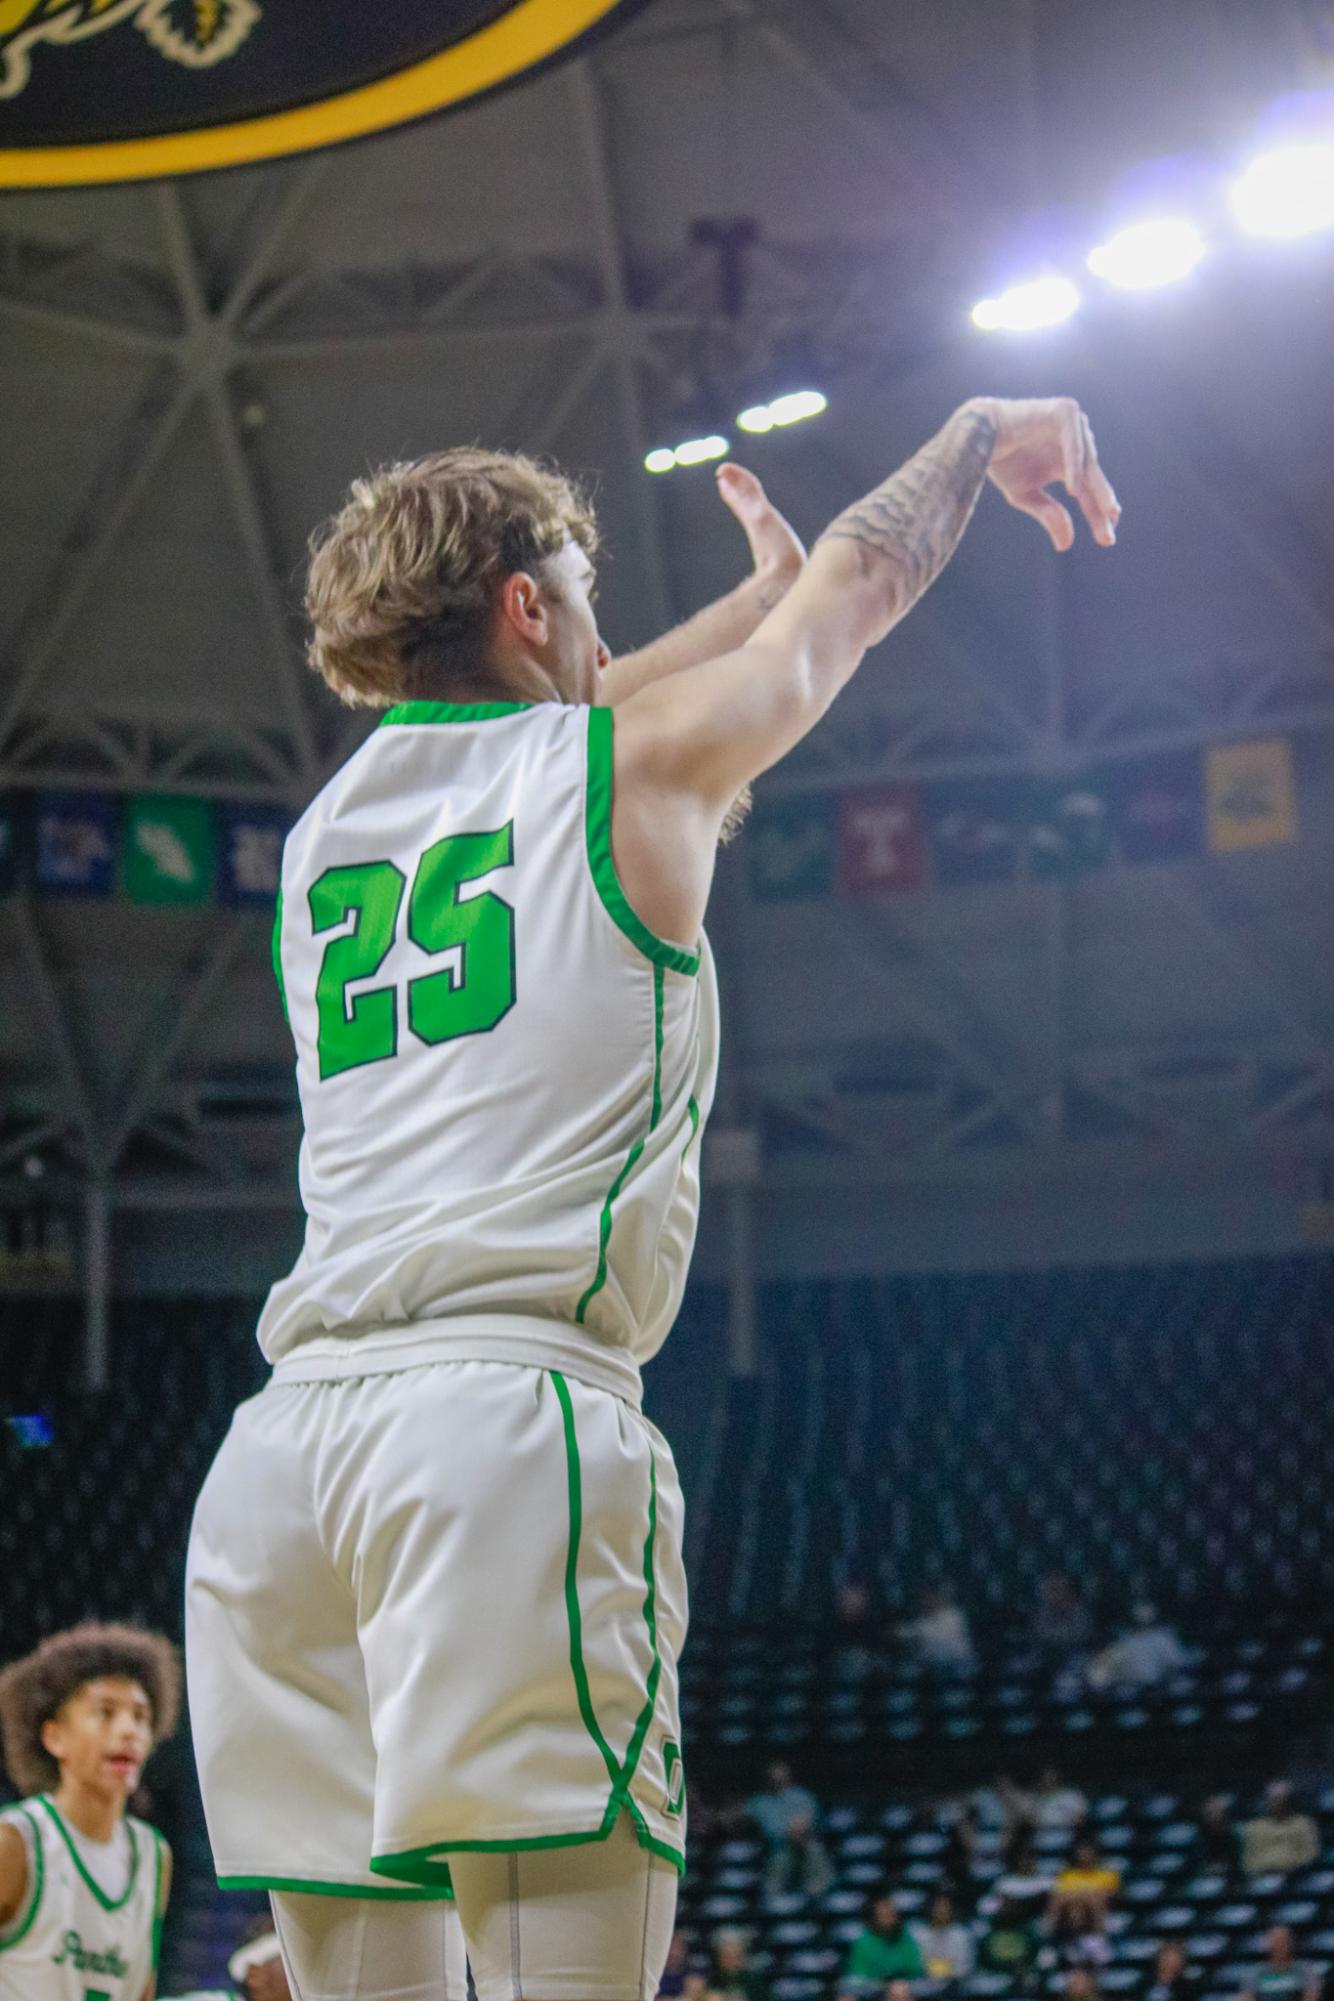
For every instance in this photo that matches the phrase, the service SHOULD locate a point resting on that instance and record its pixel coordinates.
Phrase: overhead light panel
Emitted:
(793, 408)
(660, 460)
(1041, 302)
(695, 451)
(1287, 193)
(1148, 254)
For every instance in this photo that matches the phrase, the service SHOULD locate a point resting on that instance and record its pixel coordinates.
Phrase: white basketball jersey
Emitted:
(76, 1939)
(502, 1071)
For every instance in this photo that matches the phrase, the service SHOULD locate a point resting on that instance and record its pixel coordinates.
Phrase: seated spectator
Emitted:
(1282, 1976)
(940, 1634)
(1217, 1842)
(256, 1967)
(675, 1968)
(884, 1950)
(731, 1976)
(1078, 1930)
(1012, 1945)
(959, 1859)
(1003, 1804)
(1085, 1880)
(1173, 1978)
(1149, 1653)
(1081, 1984)
(1056, 1805)
(1062, 1624)
(1022, 1883)
(1282, 1838)
(946, 1946)
(856, 1654)
(787, 1815)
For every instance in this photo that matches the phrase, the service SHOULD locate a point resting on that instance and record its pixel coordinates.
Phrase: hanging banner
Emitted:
(74, 844)
(250, 854)
(168, 851)
(110, 90)
(791, 843)
(1067, 827)
(975, 829)
(1252, 795)
(881, 850)
(1156, 807)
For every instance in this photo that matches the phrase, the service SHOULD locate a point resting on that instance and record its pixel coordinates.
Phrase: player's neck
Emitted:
(90, 1810)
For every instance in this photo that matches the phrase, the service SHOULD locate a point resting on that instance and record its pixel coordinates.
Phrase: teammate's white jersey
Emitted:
(78, 1938)
(502, 1071)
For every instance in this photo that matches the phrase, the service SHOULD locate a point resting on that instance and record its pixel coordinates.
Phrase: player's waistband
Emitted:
(527, 1342)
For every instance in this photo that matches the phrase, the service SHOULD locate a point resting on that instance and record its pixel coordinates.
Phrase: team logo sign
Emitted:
(103, 90)
(197, 33)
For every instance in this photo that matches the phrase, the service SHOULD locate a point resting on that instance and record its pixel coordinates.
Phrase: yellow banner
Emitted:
(1251, 794)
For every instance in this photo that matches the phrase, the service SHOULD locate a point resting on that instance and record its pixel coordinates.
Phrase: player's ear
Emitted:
(524, 606)
(52, 1736)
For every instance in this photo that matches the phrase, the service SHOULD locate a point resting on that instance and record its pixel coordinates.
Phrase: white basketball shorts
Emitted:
(430, 1612)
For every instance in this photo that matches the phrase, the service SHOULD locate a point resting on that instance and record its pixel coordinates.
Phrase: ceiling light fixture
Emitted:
(1287, 193)
(1042, 302)
(1148, 254)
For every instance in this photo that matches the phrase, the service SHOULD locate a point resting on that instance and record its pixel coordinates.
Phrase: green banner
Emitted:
(168, 850)
(792, 847)
(1068, 827)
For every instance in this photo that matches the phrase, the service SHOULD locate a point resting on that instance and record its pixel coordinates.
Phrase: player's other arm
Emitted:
(777, 556)
(159, 1913)
(13, 1874)
(707, 732)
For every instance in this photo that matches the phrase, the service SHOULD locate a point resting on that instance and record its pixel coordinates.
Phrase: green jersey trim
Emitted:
(38, 1879)
(422, 1864)
(451, 712)
(277, 949)
(158, 1911)
(597, 833)
(107, 1903)
(383, 1893)
(599, 1278)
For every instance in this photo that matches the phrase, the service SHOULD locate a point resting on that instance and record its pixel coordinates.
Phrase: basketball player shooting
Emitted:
(435, 1598)
(83, 1884)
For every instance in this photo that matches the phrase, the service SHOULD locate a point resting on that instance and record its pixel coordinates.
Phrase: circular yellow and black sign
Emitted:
(114, 90)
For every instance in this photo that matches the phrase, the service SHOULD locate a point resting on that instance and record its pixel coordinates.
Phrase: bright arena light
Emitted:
(1148, 254)
(759, 418)
(695, 451)
(1042, 302)
(1287, 193)
(796, 407)
(661, 460)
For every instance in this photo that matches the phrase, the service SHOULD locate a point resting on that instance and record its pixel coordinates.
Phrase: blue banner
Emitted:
(250, 854)
(74, 847)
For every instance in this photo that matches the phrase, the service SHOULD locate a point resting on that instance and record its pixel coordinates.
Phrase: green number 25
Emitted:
(467, 997)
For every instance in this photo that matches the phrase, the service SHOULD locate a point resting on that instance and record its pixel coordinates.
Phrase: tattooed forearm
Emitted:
(907, 530)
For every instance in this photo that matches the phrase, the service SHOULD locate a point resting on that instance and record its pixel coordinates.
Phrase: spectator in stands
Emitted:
(946, 1946)
(1217, 1842)
(1078, 1930)
(1003, 1804)
(1012, 1945)
(1281, 1838)
(675, 1968)
(731, 1976)
(1086, 1882)
(856, 1654)
(1149, 1653)
(959, 1858)
(1022, 1884)
(1056, 1805)
(1081, 1984)
(256, 1967)
(1174, 1978)
(884, 1950)
(940, 1633)
(1282, 1976)
(1062, 1624)
(788, 1816)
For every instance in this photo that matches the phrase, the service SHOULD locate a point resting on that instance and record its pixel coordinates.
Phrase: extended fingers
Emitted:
(1085, 479)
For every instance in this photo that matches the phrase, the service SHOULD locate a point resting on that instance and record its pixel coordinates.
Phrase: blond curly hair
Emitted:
(403, 578)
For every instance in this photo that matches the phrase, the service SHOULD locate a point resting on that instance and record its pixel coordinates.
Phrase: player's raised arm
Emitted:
(776, 555)
(707, 732)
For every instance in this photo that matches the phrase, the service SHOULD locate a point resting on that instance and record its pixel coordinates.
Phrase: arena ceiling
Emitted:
(193, 371)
